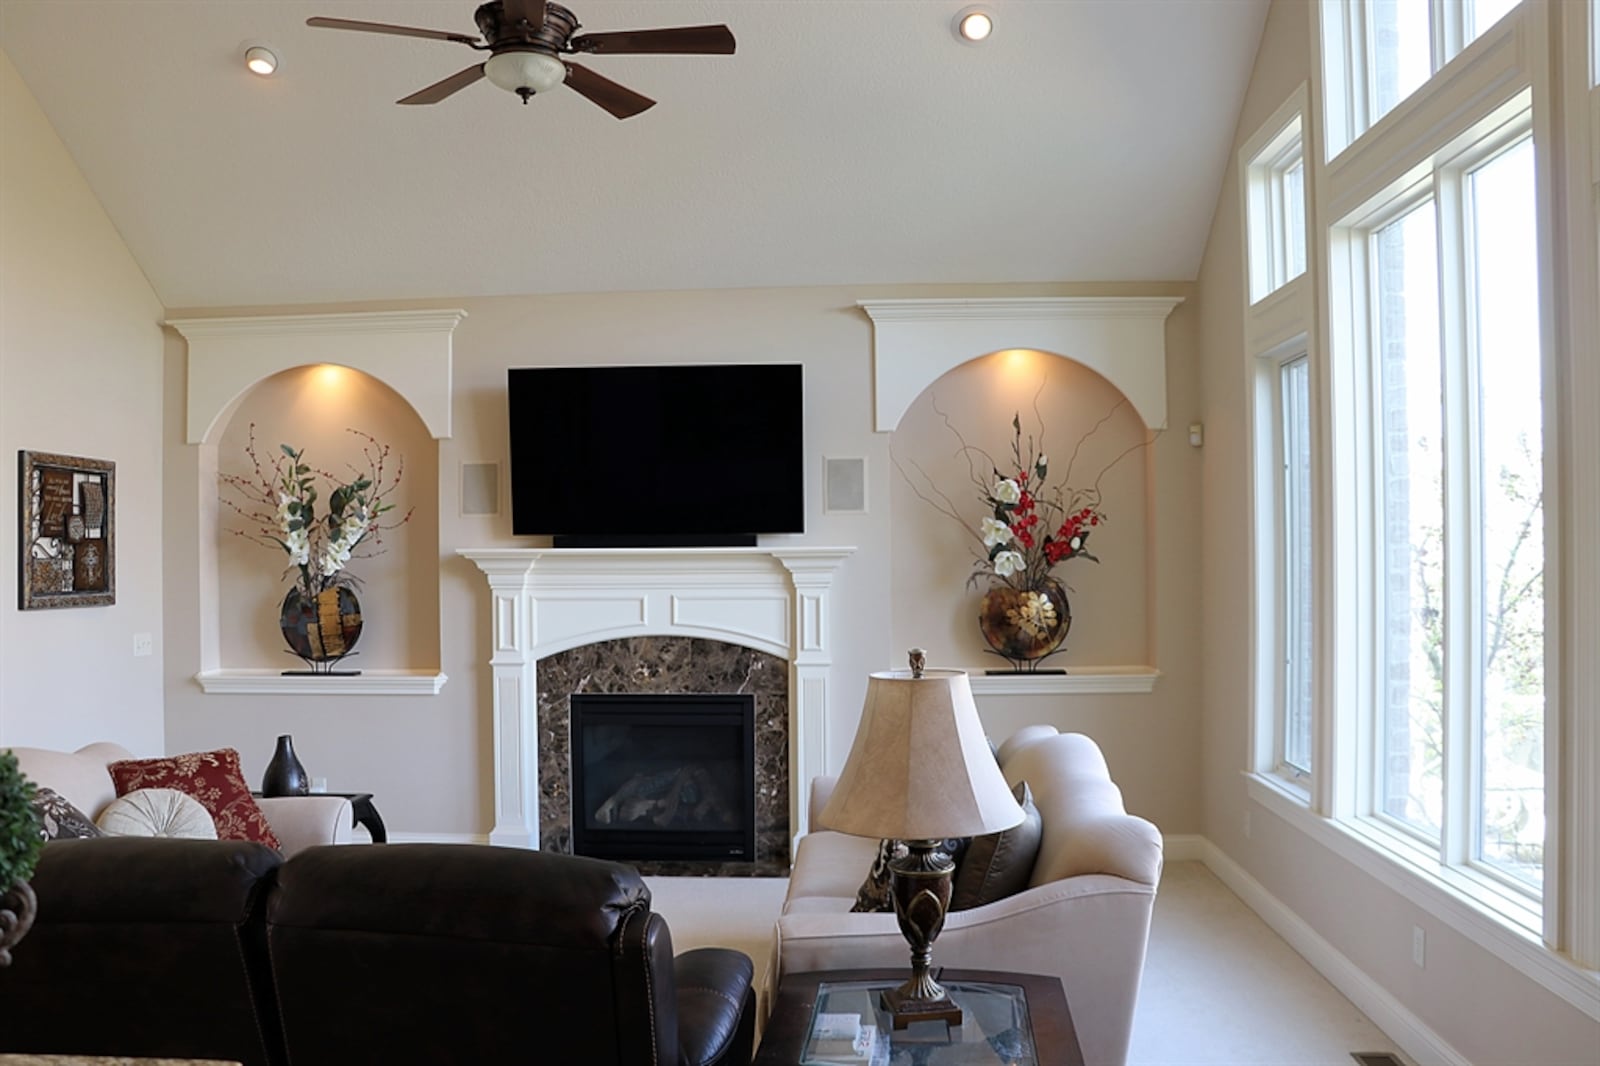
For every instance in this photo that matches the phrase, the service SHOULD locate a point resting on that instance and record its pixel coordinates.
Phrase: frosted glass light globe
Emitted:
(535, 71)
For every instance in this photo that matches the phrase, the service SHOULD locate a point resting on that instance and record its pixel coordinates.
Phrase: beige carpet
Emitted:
(1220, 987)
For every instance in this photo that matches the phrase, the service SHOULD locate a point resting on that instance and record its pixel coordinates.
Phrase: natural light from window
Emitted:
(1481, 14)
(1510, 475)
(1410, 472)
(1295, 392)
(1400, 50)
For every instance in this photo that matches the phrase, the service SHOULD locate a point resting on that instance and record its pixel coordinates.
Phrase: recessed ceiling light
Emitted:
(260, 60)
(973, 24)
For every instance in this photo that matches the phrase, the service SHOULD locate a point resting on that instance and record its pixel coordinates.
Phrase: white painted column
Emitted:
(516, 699)
(811, 666)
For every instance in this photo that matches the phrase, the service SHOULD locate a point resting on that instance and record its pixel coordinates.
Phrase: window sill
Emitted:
(1484, 914)
(367, 683)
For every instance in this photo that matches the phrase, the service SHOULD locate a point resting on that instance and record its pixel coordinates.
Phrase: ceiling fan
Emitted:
(525, 39)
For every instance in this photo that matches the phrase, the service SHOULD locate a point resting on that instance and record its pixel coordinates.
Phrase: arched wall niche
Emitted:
(950, 439)
(305, 380)
(345, 422)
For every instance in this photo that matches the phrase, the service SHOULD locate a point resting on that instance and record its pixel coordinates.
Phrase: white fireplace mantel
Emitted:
(547, 600)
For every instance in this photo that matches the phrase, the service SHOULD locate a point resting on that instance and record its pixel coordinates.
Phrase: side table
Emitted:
(363, 814)
(1044, 1013)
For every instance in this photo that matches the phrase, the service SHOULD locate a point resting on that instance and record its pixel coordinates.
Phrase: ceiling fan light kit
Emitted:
(525, 40)
(525, 73)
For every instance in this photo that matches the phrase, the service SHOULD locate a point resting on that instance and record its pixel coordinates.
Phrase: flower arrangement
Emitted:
(279, 504)
(1029, 528)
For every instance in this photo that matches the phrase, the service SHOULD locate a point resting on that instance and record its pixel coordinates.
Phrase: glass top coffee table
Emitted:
(834, 1018)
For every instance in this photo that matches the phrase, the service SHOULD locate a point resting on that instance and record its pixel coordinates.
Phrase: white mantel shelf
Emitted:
(1084, 681)
(367, 683)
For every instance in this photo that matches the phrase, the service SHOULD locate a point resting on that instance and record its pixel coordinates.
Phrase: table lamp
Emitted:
(919, 771)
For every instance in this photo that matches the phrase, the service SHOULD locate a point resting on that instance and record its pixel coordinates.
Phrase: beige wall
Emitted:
(1473, 1002)
(80, 373)
(429, 758)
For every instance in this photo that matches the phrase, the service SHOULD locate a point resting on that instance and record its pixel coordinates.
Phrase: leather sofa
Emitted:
(406, 953)
(1084, 917)
(82, 779)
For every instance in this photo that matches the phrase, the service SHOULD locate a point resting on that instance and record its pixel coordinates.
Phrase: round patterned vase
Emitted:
(322, 629)
(1025, 625)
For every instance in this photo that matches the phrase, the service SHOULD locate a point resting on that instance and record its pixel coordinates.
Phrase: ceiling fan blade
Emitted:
(531, 11)
(441, 89)
(384, 27)
(677, 40)
(617, 99)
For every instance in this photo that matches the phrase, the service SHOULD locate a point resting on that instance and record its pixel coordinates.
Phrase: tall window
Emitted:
(1458, 458)
(1275, 211)
(1294, 726)
(1410, 481)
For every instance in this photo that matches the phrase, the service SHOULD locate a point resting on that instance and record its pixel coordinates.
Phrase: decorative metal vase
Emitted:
(1025, 625)
(323, 629)
(18, 905)
(285, 776)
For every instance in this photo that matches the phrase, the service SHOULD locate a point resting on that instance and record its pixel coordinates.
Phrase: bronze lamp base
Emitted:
(920, 886)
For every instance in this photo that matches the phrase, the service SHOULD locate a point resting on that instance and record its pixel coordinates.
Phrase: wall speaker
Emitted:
(846, 486)
(480, 488)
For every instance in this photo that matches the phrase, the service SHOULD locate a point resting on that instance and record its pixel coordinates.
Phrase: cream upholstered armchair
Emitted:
(1083, 917)
(81, 778)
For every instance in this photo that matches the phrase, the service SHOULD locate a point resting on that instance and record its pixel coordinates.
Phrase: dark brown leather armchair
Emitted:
(433, 953)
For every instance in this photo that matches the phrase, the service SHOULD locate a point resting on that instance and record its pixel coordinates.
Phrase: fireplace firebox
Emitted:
(663, 776)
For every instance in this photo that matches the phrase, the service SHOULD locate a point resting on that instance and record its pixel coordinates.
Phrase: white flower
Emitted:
(1006, 491)
(994, 532)
(1008, 563)
(298, 545)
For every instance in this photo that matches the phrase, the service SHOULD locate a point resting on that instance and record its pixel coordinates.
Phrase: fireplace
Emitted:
(663, 776)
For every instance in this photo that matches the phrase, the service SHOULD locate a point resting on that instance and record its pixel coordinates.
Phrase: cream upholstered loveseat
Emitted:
(1084, 917)
(82, 779)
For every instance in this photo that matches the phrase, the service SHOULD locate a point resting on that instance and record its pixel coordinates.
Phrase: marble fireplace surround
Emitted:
(547, 600)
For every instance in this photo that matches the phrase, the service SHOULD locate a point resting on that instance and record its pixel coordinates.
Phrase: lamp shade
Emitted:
(920, 768)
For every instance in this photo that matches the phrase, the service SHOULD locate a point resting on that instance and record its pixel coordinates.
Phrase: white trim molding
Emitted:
(410, 351)
(546, 600)
(1121, 338)
(1087, 681)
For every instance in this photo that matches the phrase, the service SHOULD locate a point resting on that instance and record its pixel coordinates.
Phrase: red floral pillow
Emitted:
(213, 778)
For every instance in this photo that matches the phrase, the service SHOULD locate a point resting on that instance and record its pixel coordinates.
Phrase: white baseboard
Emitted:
(1185, 847)
(1413, 1036)
(438, 838)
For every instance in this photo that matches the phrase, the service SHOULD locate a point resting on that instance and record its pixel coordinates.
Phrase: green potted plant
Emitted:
(20, 844)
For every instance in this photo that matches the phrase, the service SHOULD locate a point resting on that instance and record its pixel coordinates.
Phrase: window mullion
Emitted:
(1460, 600)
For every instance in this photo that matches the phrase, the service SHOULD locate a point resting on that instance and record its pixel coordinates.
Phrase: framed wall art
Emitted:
(68, 541)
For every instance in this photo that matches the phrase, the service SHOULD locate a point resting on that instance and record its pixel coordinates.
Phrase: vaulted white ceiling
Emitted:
(844, 143)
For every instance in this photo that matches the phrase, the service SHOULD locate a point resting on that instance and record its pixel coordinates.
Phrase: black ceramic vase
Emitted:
(285, 776)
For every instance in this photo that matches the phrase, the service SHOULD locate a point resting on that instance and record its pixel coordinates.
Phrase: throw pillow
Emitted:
(59, 819)
(213, 778)
(158, 812)
(874, 894)
(998, 865)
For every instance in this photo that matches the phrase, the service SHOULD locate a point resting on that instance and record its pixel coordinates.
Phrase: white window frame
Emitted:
(1264, 164)
(1349, 72)
(1548, 50)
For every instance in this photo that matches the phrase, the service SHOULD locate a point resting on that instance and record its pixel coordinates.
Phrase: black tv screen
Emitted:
(656, 455)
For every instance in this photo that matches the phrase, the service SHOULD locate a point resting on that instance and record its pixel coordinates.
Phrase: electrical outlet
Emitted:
(1247, 825)
(143, 644)
(1418, 944)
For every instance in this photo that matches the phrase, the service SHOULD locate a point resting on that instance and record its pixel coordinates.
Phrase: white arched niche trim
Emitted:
(1122, 338)
(407, 350)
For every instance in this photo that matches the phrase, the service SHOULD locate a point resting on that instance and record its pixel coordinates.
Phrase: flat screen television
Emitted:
(650, 456)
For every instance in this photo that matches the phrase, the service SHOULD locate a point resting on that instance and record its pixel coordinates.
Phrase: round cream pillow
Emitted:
(158, 812)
